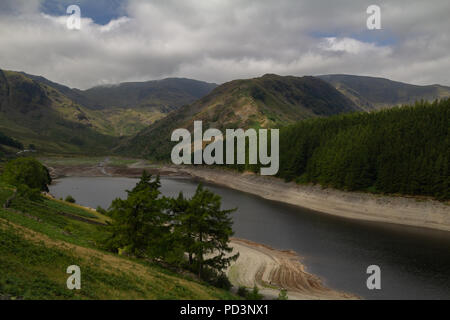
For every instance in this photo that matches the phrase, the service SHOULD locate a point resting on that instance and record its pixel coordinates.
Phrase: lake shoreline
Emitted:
(273, 270)
(270, 269)
(409, 211)
(401, 210)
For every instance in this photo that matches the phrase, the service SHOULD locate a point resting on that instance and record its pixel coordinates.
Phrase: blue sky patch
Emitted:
(101, 11)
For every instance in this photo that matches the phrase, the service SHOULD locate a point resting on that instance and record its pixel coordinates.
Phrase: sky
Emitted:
(222, 40)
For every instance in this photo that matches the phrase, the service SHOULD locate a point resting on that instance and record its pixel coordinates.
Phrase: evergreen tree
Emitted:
(140, 224)
(207, 231)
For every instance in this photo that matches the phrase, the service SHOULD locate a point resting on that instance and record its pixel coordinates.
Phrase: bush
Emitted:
(70, 199)
(102, 211)
(27, 171)
(283, 295)
(242, 292)
(254, 294)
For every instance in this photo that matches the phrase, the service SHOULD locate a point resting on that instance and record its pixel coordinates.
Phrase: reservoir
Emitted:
(414, 262)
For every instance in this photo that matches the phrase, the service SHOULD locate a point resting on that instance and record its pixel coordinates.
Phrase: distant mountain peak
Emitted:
(371, 93)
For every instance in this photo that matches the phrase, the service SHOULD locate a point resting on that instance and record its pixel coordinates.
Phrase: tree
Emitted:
(140, 223)
(183, 222)
(206, 231)
(27, 171)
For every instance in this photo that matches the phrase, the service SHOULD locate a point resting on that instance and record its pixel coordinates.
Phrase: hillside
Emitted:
(40, 239)
(402, 150)
(268, 101)
(34, 113)
(127, 108)
(162, 95)
(371, 93)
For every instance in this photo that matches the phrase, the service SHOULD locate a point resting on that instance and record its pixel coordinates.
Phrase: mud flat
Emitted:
(425, 213)
(272, 270)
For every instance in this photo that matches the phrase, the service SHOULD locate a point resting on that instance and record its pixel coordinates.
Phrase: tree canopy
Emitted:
(402, 150)
(28, 172)
(147, 224)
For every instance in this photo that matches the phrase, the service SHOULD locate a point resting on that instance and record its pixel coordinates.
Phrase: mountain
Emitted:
(129, 107)
(269, 101)
(162, 95)
(371, 93)
(34, 113)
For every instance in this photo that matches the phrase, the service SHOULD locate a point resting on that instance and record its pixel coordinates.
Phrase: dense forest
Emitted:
(401, 150)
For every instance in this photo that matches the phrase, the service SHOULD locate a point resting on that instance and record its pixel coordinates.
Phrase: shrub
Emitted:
(70, 199)
(102, 211)
(254, 294)
(283, 295)
(242, 292)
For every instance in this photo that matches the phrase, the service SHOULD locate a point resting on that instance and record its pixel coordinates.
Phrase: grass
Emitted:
(39, 240)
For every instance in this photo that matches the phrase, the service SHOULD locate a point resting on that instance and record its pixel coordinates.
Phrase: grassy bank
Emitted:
(39, 240)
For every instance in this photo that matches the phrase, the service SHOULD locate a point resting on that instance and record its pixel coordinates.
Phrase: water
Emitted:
(414, 262)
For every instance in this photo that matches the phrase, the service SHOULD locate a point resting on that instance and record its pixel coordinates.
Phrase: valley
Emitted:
(88, 138)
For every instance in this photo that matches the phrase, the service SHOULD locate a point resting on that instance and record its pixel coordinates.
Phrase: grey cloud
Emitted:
(222, 40)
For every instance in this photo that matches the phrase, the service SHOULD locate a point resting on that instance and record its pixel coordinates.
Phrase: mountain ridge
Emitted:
(164, 95)
(374, 93)
(268, 101)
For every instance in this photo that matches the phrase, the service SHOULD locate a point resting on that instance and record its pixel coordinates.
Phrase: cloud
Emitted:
(352, 46)
(218, 40)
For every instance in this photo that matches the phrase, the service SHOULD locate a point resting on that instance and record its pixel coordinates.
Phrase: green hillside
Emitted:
(269, 101)
(127, 108)
(402, 150)
(40, 239)
(34, 113)
(371, 93)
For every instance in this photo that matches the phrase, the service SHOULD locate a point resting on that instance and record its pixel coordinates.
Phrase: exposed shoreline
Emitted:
(424, 213)
(272, 270)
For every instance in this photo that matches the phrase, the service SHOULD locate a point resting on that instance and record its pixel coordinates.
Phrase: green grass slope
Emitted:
(39, 240)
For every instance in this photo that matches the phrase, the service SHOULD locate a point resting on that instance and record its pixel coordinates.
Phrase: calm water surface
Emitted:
(414, 262)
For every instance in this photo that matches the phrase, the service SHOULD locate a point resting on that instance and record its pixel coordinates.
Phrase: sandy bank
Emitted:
(355, 205)
(272, 270)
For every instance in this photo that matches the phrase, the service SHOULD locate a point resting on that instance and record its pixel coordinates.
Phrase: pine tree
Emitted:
(209, 229)
(140, 225)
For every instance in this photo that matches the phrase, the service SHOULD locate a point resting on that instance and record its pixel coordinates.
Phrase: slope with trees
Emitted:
(402, 150)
